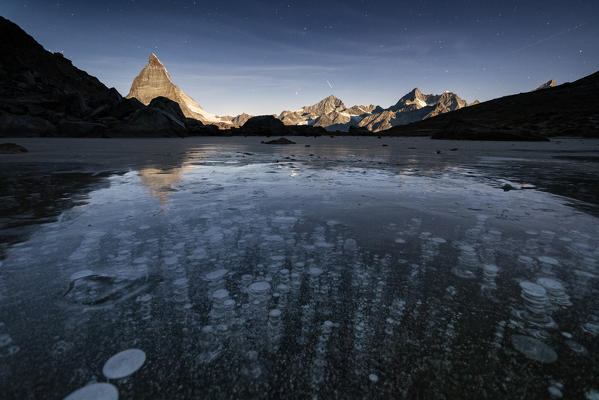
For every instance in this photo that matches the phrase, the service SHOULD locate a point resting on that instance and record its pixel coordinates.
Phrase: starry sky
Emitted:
(262, 57)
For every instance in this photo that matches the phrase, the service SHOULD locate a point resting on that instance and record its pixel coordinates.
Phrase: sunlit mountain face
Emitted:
(355, 200)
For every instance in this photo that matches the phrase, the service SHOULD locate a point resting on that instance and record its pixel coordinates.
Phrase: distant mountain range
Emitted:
(44, 94)
(329, 113)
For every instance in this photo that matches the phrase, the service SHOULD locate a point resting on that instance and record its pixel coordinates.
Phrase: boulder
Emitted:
(25, 125)
(168, 107)
(195, 127)
(79, 128)
(125, 108)
(280, 141)
(263, 125)
(12, 148)
(152, 121)
(355, 130)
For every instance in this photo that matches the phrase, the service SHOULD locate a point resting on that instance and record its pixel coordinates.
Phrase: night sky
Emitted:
(263, 57)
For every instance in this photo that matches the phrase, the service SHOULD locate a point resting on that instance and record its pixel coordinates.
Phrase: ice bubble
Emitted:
(525, 260)
(259, 287)
(229, 303)
(591, 327)
(172, 260)
(373, 378)
(61, 347)
(534, 349)
(124, 363)
(95, 391)
(216, 275)
(399, 241)
(350, 245)
(5, 339)
(275, 313)
(592, 394)
(439, 240)
(490, 270)
(314, 271)
(144, 298)
(550, 284)
(180, 282)
(576, 347)
(555, 291)
(555, 392)
(532, 289)
(82, 274)
(220, 294)
(548, 260)
(283, 288)
(252, 355)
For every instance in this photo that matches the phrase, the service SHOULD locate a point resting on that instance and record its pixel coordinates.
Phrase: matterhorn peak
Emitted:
(154, 81)
(154, 60)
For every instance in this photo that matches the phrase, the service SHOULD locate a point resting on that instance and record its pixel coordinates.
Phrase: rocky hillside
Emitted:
(154, 81)
(41, 91)
(565, 110)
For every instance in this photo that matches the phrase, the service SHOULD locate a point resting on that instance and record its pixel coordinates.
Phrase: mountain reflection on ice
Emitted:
(286, 279)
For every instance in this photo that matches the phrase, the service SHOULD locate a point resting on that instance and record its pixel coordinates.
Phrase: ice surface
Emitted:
(342, 274)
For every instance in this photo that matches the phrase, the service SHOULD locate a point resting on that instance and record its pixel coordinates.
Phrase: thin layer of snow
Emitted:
(196, 108)
(421, 103)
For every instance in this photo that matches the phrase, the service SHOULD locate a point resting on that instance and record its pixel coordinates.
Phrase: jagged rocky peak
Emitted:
(549, 84)
(414, 94)
(415, 98)
(241, 119)
(325, 106)
(154, 81)
(451, 101)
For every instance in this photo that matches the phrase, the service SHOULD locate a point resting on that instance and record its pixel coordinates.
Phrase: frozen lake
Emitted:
(334, 268)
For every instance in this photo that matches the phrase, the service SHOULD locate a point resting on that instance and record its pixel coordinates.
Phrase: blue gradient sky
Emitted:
(263, 57)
